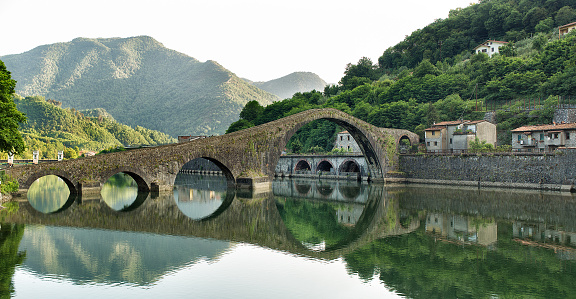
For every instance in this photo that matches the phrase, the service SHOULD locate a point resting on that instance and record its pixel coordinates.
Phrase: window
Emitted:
(428, 143)
(567, 135)
(348, 138)
(492, 49)
(519, 137)
(341, 138)
(450, 140)
(435, 143)
(541, 136)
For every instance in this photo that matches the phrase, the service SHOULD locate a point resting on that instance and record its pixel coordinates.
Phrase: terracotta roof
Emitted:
(450, 123)
(567, 25)
(435, 129)
(344, 132)
(476, 122)
(546, 127)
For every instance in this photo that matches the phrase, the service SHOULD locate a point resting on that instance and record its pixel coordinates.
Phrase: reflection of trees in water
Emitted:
(119, 191)
(48, 194)
(10, 236)
(313, 223)
(420, 265)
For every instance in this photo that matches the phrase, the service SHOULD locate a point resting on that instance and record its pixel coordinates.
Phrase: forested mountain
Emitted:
(51, 128)
(138, 81)
(287, 86)
(419, 82)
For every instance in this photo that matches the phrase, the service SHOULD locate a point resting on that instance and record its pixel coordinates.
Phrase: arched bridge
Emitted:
(247, 157)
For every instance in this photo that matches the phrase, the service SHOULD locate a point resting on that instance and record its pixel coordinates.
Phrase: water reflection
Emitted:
(323, 215)
(418, 241)
(200, 197)
(120, 192)
(50, 194)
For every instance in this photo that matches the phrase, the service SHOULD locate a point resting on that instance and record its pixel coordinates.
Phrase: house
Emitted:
(490, 47)
(345, 141)
(563, 30)
(542, 138)
(455, 136)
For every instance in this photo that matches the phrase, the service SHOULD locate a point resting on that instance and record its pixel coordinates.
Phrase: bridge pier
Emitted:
(258, 184)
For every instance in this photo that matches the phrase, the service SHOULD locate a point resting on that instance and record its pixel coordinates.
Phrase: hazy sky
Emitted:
(259, 40)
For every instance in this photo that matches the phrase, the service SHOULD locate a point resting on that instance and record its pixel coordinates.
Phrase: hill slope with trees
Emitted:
(50, 129)
(138, 81)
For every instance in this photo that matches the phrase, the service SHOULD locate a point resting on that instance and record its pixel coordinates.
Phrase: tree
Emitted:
(251, 111)
(565, 15)
(10, 138)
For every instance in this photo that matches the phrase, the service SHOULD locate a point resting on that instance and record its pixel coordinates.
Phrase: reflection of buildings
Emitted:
(462, 228)
(548, 236)
(188, 194)
(343, 191)
(350, 215)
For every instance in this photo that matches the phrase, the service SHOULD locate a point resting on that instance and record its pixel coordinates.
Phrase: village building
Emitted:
(563, 30)
(344, 140)
(490, 47)
(543, 138)
(455, 136)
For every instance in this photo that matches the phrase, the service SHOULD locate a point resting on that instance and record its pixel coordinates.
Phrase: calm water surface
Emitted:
(305, 238)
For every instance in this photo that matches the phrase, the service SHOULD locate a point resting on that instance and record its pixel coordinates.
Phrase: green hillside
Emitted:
(287, 86)
(138, 81)
(423, 85)
(51, 128)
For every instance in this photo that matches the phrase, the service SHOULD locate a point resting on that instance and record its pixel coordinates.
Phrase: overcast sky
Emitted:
(259, 40)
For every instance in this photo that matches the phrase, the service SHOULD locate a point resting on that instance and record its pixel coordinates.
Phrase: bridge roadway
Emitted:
(247, 158)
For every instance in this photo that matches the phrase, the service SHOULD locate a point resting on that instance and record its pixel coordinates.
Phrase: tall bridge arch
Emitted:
(247, 157)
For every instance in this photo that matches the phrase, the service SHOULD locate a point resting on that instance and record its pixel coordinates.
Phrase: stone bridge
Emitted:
(247, 158)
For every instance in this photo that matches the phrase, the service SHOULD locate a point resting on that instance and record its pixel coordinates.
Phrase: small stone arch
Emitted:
(325, 190)
(140, 177)
(225, 169)
(324, 166)
(302, 165)
(404, 144)
(349, 165)
(72, 184)
(302, 189)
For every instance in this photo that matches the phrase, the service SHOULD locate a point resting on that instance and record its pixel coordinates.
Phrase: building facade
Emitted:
(345, 141)
(455, 136)
(490, 47)
(543, 138)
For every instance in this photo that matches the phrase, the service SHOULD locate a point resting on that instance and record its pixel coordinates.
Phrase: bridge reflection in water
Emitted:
(421, 240)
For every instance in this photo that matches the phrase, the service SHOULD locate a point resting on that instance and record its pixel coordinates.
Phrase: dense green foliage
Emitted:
(137, 80)
(10, 257)
(51, 129)
(10, 118)
(8, 184)
(465, 28)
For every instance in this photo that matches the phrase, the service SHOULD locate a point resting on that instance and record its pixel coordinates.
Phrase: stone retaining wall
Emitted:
(551, 171)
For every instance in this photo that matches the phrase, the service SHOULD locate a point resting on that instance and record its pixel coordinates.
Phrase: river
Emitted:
(302, 239)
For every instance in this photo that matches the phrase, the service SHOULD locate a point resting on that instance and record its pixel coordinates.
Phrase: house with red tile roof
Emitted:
(455, 136)
(564, 29)
(490, 47)
(542, 138)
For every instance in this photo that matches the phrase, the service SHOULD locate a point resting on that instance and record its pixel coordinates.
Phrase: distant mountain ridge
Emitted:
(138, 81)
(287, 86)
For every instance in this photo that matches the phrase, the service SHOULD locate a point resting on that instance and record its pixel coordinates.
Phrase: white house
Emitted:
(490, 47)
